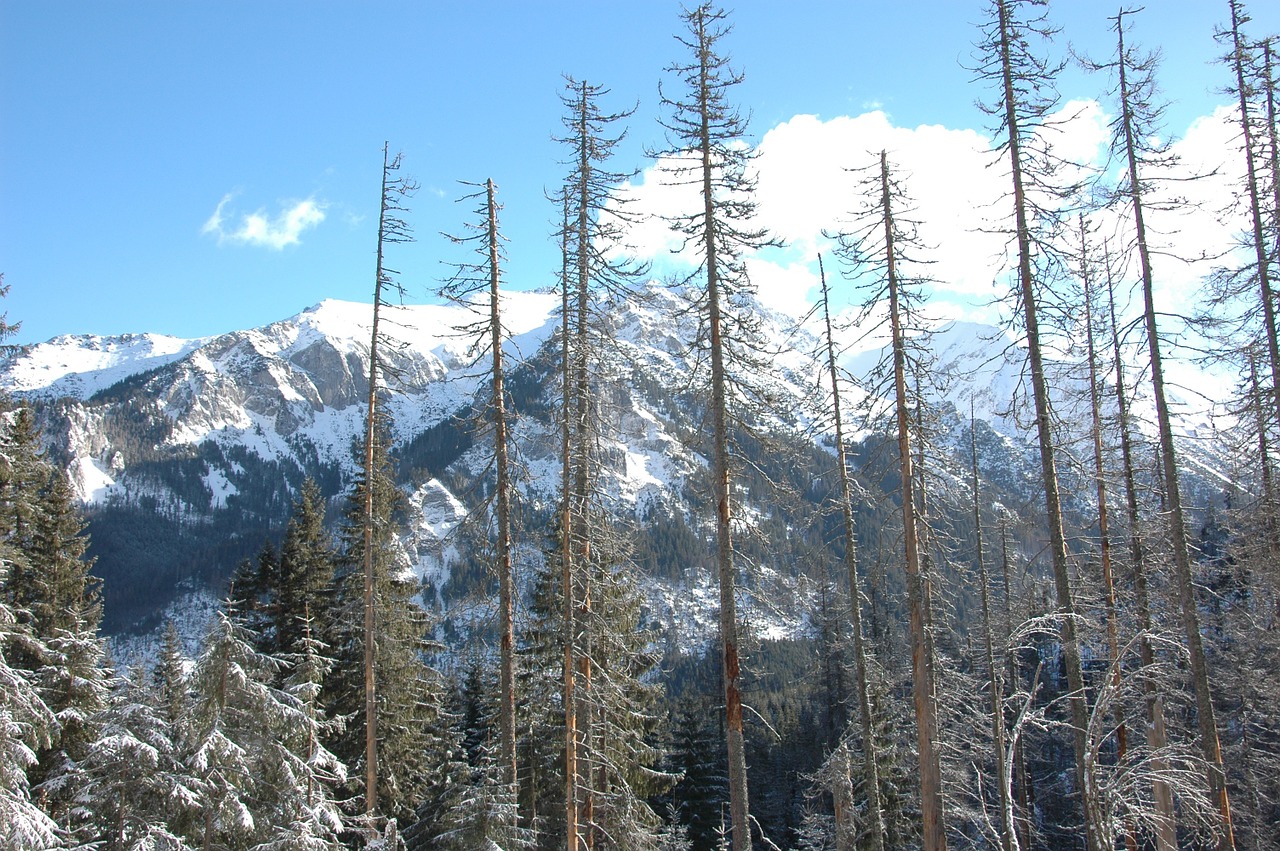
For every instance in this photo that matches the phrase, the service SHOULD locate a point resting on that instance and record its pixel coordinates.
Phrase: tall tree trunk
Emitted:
(1104, 530)
(1264, 442)
(1020, 782)
(506, 609)
(934, 834)
(721, 488)
(370, 620)
(1166, 820)
(1205, 713)
(870, 759)
(725, 569)
(570, 609)
(1264, 455)
(1008, 840)
(1266, 292)
(583, 473)
(1044, 430)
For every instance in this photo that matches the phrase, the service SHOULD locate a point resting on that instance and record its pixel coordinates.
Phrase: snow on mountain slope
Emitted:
(81, 365)
(204, 447)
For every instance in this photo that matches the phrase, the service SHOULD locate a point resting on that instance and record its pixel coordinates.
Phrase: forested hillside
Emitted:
(630, 562)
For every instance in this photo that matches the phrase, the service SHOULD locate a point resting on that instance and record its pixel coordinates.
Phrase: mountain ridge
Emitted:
(195, 452)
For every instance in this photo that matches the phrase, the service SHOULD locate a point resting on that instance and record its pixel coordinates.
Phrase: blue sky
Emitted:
(125, 126)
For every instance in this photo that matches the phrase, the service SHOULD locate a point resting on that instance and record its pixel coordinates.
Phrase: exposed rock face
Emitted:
(188, 454)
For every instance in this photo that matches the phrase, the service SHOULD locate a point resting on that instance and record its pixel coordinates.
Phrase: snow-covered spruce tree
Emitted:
(541, 675)
(56, 600)
(281, 596)
(310, 818)
(705, 146)
(484, 810)
(696, 756)
(23, 475)
(304, 574)
(169, 677)
(259, 775)
(1011, 59)
(251, 595)
(132, 787)
(25, 725)
(66, 611)
(619, 766)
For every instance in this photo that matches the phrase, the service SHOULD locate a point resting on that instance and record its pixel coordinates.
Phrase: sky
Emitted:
(198, 167)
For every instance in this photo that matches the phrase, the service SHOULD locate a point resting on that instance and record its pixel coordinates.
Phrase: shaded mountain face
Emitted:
(188, 454)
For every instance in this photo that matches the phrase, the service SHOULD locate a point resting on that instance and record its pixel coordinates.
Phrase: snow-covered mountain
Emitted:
(189, 453)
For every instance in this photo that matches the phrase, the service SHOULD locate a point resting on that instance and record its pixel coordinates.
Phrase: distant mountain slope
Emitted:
(188, 454)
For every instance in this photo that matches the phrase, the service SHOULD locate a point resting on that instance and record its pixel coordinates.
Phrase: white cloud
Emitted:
(806, 186)
(262, 230)
(958, 187)
(784, 286)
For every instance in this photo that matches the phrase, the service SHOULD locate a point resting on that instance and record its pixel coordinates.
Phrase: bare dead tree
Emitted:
(392, 229)
(1008, 836)
(1121, 730)
(475, 287)
(870, 759)
(1239, 59)
(1138, 122)
(1166, 823)
(1025, 100)
(703, 123)
(876, 242)
(593, 270)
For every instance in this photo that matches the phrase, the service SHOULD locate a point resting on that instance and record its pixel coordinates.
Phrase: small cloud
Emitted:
(262, 230)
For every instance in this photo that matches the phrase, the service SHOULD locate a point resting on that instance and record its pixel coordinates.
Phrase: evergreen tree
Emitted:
(25, 726)
(169, 677)
(307, 817)
(23, 475)
(262, 781)
(251, 597)
(65, 613)
(541, 716)
(133, 790)
(304, 576)
(696, 755)
(620, 764)
(410, 697)
(479, 810)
